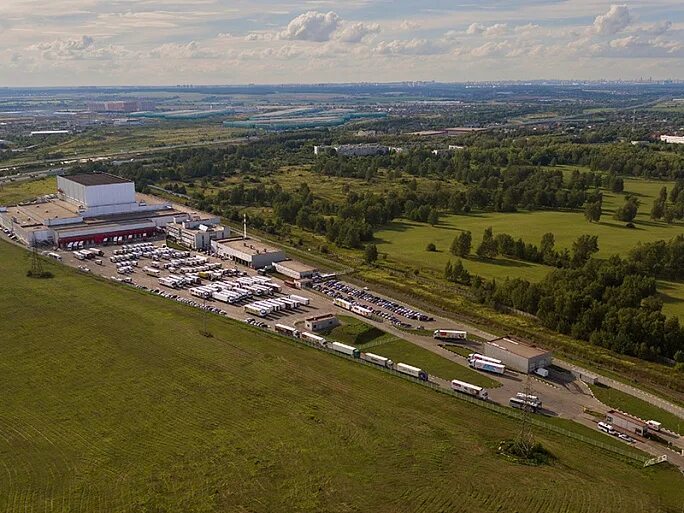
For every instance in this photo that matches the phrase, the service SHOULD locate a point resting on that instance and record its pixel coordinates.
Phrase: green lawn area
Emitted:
(463, 351)
(15, 192)
(353, 331)
(112, 401)
(404, 241)
(642, 409)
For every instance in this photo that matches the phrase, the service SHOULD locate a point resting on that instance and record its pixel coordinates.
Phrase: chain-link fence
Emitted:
(494, 407)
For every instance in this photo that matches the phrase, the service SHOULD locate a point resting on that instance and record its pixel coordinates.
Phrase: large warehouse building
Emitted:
(516, 355)
(250, 252)
(93, 208)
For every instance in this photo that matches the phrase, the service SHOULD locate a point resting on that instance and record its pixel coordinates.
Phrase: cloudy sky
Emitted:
(117, 42)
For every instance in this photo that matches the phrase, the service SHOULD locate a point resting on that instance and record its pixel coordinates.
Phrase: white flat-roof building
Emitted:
(250, 252)
(197, 233)
(321, 322)
(516, 355)
(295, 269)
(92, 208)
(672, 139)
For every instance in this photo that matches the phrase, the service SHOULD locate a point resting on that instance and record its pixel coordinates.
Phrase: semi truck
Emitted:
(484, 365)
(345, 349)
(152, 271)
(531, 399)
(313, 338)
(412, 371)
(260, 311)
(377, 360)
(287, 330)
(467, 388)
(303, 300)
(450, 335)
(522, 405)
(477, 356)
(342, 303)
(362, 310)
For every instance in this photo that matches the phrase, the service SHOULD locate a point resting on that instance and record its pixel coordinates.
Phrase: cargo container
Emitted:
(467, 388)
(531, 399)
(362, 310)
(412, 371)
(287, 330)
(303, 300)
(260, 311)
(345, 349)
(313, 338)
(342, 303)
(522, 405)
(483, 365)
(477, 356)
(377, 359)
(450, 335)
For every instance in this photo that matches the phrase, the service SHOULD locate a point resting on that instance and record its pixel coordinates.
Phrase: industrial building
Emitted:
(672, 139)
(197, 233)
(627, 423)
(294, 269)
(516, 355)
(93, 208)
(321, 322)
(250, 252)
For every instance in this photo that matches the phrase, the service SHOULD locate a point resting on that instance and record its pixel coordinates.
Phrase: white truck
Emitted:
(412, 371)
(467, 388)
(313, 338)
(303, 300)
(362, 310)
(342, 303)
(152, 271)
(484, 365)
(450, 335)
(345, 349)
(287, 330)
(377, 360)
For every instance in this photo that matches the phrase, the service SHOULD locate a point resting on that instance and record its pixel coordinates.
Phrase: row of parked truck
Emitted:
(403, 368)
(265, 307)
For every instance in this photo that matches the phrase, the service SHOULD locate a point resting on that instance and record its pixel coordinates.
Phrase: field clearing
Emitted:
(112, 401)
(17, 192)
(635, 406)
(404, 241)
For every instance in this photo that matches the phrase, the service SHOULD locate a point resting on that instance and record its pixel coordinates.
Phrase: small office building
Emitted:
(516, 355)
(246, 251)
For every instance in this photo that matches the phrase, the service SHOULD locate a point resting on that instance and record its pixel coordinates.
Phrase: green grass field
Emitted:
(16, 192)
(404, 241)
(353, 331)
(642, 409)
(112, 401)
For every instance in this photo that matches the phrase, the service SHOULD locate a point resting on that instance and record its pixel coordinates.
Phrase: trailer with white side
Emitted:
(412, 371)
(343, 303)
(290, 331)
(377, 360)
(259, 311)
(345, 349)
(362, 310)
(468, 388)
(486, 366)
(450, 335)
(303, 300)
(152, 271)
(477, 356)
(313, 338)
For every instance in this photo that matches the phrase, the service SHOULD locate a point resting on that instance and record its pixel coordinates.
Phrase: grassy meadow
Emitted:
(112, 401)
(16, 192)
(404, 241)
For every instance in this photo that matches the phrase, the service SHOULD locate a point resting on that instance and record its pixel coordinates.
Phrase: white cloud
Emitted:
(408, 25)
(615, 20)
(191, 50)
(355, 32)
(496, 30)
(408, 47)
(311, 26)
(475, 28)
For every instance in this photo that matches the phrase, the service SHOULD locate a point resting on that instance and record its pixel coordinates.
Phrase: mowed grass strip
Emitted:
(635, 406)
(112, 401)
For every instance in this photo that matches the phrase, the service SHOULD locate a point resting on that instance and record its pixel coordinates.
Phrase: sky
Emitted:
(168, 42)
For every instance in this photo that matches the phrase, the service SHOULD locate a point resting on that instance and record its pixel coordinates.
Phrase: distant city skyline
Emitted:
(148, 42)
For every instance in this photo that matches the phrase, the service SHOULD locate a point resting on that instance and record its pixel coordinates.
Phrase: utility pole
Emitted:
(36, 264)
(525, 439)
